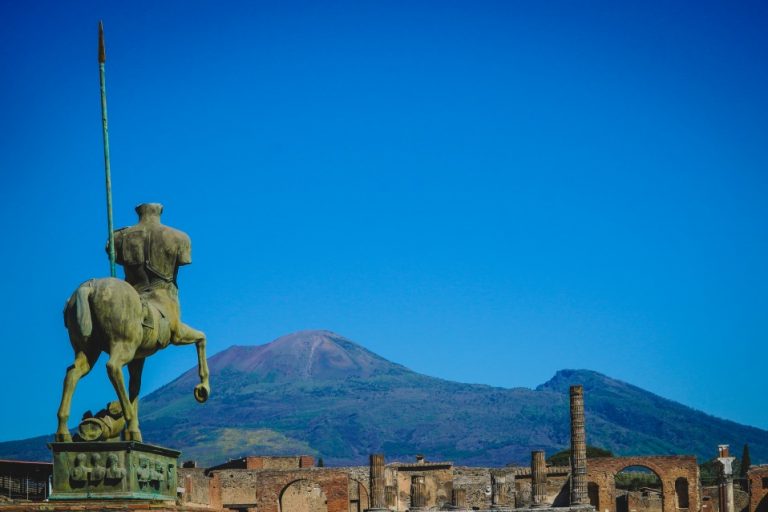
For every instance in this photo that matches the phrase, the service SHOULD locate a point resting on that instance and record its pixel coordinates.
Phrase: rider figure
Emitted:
(151, 255)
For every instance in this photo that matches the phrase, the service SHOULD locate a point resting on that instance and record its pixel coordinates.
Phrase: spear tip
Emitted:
(102, 52)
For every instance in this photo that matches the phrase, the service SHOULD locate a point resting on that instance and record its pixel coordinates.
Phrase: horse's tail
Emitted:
(83, 308)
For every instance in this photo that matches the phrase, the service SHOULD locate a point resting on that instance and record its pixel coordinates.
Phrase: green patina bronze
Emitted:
(130, 320)
(116, 470)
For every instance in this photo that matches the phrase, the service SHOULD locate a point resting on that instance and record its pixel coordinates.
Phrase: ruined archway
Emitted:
(303, 496)
(638, 488)
(601, 473)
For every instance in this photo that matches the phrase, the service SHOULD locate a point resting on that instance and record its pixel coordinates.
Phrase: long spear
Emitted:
(105, 133)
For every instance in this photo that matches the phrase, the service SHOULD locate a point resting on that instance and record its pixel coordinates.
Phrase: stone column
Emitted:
(538, 479)
(499, 492)
(459, 499)
(726, 479)
(579, 494)
(495, 491)
(418, 492)
(390, 495)
(378, 500)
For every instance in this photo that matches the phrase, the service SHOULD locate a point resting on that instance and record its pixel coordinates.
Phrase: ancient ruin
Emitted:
(578, 448)
(297, 484)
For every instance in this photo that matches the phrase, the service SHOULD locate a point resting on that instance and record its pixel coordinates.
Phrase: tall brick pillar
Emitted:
(579, 494)
(378, 498)
(538, 479)
(459, 499)
(726, 479)
(418, 493)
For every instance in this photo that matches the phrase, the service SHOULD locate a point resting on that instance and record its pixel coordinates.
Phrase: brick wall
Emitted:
(477, 483)
(758, 488)
(601, 473)
(267, 462)
(196, 485)
(558, 487)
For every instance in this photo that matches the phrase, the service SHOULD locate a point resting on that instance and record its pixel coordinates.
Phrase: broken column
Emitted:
(378, 500)
(538, 479)
(390, 496)
(499, 492)
(579, 494)
(459, 499)
(418, 493)
(726, 479)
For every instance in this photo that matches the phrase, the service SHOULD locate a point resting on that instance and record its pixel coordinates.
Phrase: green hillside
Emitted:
(319, 393)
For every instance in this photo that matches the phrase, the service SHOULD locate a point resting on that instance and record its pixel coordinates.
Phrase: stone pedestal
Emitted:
(117, 470)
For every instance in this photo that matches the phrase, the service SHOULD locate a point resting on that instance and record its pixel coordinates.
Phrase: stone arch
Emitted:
(681, 491)
(602, 473)
(622, 502)
(302, 495)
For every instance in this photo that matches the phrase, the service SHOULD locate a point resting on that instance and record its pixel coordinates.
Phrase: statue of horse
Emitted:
(108, 315)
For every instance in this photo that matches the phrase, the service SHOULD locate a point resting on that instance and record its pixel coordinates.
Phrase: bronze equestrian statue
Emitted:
(131, 319)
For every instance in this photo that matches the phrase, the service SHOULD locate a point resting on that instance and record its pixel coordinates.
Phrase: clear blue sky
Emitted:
(485, 192)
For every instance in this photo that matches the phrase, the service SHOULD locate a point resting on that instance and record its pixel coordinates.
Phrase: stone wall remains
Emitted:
(758, 487)
(601, 474)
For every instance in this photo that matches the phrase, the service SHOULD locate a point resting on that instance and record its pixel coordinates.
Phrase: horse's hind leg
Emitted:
(81, 367)
(117, 359)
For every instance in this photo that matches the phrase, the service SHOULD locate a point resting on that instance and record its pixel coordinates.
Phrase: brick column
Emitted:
(459, 499)
(579, 494)
(726, 479)
(538, 479)
(378, 500)
(418, 493)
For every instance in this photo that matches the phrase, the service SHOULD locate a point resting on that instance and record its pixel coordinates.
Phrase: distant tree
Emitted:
(320, 463)
(563, 457)
(635, 478)
(745, 461)
(709, 471)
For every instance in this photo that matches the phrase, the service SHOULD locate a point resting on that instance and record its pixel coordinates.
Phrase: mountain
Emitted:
(319, 393)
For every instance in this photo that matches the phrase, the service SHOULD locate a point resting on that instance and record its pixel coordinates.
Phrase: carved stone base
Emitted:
(113, 470)
(104, 506)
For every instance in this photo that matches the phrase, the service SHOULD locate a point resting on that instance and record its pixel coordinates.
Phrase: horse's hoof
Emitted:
(201, 392)
(133, 436)
(63, 438)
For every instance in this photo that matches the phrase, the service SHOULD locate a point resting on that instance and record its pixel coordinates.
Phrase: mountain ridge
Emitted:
(320, 393)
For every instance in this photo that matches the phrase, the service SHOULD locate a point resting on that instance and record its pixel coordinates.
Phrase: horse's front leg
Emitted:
(186, 336)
